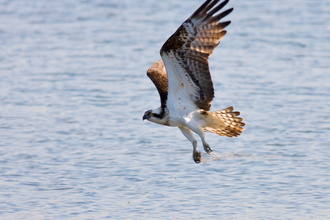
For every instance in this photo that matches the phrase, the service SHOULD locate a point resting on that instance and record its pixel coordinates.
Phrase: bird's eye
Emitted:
(150, 113)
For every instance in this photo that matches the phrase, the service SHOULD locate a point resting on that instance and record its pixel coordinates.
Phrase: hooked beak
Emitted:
(147, 115)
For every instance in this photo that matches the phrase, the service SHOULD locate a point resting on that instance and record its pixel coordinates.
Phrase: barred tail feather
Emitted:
(224, 122)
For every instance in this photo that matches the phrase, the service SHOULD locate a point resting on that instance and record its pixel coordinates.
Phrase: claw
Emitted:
(197, 161)
(207, 148)
(197, 156)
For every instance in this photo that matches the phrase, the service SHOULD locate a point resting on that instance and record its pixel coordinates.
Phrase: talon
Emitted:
(207, 148)
(197, 161)
(197, 156)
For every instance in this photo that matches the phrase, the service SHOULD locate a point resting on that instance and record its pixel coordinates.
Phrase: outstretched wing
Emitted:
(157, 74)
(186, 54)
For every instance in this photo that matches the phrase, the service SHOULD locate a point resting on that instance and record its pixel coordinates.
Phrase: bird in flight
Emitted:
(183, 80)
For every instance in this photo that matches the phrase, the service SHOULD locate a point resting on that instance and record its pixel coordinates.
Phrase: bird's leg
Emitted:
(199, 130)
(207, 148)
(190, 136)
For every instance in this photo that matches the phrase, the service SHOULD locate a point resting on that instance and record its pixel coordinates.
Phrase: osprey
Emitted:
(182, 78)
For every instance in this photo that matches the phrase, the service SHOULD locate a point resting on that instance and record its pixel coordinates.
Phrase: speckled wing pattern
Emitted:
(157, 74)
(224, 122)
(186, 52)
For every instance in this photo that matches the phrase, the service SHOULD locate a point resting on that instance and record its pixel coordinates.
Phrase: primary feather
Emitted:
(186, 54)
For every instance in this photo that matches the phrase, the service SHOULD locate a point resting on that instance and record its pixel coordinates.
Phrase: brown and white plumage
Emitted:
(157, 74)
(182, 78)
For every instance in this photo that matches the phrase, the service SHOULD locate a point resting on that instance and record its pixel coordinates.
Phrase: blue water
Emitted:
(73, 91)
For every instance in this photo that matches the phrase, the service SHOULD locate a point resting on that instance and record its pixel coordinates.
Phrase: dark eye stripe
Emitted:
(157, 115)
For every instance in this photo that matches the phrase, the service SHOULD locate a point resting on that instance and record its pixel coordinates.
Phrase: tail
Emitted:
(224, 122)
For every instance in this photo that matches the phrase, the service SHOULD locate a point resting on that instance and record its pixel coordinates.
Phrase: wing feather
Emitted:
(157, 74)
(186, 54)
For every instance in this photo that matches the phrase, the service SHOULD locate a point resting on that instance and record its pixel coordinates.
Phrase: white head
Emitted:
(157, 115)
